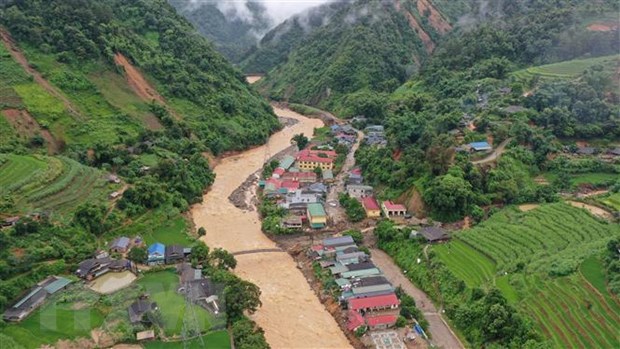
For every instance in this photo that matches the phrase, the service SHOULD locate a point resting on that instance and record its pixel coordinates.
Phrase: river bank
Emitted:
(291, 315)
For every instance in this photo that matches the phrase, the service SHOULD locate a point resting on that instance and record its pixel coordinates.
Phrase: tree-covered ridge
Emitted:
(231, 33)
(475, 78)
(367, 45)
(212, 97)
(274, 48)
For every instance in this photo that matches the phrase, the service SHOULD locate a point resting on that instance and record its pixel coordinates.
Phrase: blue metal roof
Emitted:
(480, 145)
(157, 248)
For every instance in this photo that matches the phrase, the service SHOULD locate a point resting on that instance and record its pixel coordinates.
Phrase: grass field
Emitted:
(479, 268)
(162, 288)
(53, 322)
(157, 226)
(54, 184)
(213, 340)
(594, 178)
(568, 69)
(572, 311)
(612, 200)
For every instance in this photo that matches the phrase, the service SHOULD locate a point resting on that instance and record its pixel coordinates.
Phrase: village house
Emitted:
(308, 160)
(286, 162)
(174, 254)
(391, 209)
(197, 288)
(479, 146)
(301, 177)
(292, 222)
(299, 196)
(355, 320)
(120, 245)
(381, 322)
(359, 191)
(328, 176)
(375, 303)
(587, 151)
(338, 241)
(374, 128)
(367, 291)
(156, 254)
(434, 234)
(317, 188)
(114, 195)
(93, 268)
(371, 206)
(35, 298)
(351, 257)
(278, 172)
(317, 218)
(139, 308)
(145, 335)
(112, 178)
(10, 221)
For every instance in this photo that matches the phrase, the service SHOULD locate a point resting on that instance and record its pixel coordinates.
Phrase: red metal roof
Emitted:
(279, 171)
(317, 248)
(370, 203)
(394, 207)
(357, 171)
(355, 320)
(290, 185)
(373, 302)
(313, 155)
(381, 320)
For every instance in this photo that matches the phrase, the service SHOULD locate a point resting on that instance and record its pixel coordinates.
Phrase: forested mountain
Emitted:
(365, 45)
(275, 46)
(107, 109)
(72, 42)
(233, 30)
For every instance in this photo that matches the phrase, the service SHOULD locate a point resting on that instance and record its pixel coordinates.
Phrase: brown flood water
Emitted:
(291, 315)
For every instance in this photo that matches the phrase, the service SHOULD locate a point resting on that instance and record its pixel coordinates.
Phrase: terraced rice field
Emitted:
(551, 231)
(573, 311)
(612, 201)
(568, 69)
(53, 184)
(468, 264)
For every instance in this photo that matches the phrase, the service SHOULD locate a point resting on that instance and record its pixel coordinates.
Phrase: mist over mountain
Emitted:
(236, 26)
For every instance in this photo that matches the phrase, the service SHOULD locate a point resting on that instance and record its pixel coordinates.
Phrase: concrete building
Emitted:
(391, 209)
(371, 206)
(359, 191)
(317, 217)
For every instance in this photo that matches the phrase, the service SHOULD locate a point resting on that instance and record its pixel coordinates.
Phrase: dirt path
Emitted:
(19, 57)
(337, 214)
(292, 316)
(597, 211)
(497, 152)
(443, 336)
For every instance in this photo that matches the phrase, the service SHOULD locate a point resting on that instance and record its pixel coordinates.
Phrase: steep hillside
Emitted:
(232, 29)
(364, 45)
(274, 48)
(97, 71)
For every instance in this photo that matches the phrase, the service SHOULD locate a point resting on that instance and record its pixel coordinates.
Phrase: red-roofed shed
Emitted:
(388, 301)
(381, 321)
(278, 172)
(371, 206)
(354, 320)
(391, 209)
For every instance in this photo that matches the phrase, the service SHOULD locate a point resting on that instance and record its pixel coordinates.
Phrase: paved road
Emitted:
(337, 214)
(495, 154)
(443, 336)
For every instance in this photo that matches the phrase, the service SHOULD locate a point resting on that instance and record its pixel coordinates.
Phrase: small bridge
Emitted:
(259, 250)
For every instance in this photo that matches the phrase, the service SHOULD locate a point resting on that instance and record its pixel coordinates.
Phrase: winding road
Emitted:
(442, 334)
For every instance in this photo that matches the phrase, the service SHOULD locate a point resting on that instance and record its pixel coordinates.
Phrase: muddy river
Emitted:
(291, 315)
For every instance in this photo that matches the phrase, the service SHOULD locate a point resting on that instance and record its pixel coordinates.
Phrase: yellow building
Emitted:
(308, 160)
(371, 207)
(317, 218)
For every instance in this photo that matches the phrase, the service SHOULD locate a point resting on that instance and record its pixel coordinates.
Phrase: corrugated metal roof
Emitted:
(339, 241)
(359, 273)
(373, 288)
(316, 209)
(28, 296)
(338, 268)
(327, 174)
(287, 162)
(57, 285)
(342, 282)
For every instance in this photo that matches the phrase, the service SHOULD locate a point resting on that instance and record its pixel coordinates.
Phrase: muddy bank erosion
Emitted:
(291, 315)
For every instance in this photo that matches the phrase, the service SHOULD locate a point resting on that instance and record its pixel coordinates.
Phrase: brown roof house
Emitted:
(139, 308)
